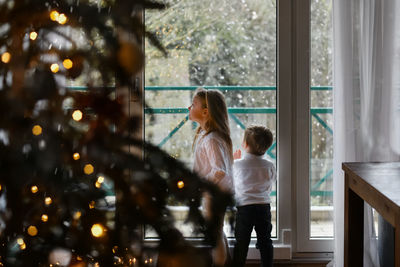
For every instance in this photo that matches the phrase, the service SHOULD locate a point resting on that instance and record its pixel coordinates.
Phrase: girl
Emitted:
(213, 156)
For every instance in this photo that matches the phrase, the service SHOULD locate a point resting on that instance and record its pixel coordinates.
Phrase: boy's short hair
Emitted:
(258, 138)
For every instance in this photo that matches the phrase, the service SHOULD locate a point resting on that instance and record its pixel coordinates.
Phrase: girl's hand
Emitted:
(237, 154)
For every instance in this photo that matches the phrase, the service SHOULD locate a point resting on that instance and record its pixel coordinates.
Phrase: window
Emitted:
(255, 52)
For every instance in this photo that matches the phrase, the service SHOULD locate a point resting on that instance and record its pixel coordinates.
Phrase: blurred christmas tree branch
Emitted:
(59, 149)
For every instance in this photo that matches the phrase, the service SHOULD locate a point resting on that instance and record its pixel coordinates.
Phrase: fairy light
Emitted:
(6, 57)
(88, 169)
(34, 189)
(62, 19)
(32, 230)
(77, 215)
(76, 156)
(77, 115)
(100, 179)
(45, 218)
(67, 63)
(48, 201)
(180, 184)
(54, 15)
(54, 68)
(37, 130)
(97, 230)
(33, 36)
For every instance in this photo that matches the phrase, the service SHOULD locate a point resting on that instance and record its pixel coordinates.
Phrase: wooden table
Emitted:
(379, 185)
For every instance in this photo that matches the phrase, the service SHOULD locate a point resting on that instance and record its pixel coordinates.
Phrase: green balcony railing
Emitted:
(314, 112)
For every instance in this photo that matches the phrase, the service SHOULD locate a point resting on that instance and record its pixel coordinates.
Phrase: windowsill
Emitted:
(280, 252)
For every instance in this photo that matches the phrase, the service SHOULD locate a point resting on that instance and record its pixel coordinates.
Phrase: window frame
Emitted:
(293, 134)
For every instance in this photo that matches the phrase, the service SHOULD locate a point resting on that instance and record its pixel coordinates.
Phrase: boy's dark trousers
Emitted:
(259, 217)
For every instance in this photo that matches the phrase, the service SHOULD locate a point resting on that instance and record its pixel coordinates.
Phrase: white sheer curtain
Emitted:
(366, 98)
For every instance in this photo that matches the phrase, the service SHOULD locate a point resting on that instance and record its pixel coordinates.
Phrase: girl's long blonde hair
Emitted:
(218, 116)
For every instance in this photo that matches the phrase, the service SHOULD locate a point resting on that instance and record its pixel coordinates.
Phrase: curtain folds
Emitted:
(366, 99)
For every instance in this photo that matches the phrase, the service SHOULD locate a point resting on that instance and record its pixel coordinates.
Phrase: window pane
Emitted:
(228, 45)
(321, 201)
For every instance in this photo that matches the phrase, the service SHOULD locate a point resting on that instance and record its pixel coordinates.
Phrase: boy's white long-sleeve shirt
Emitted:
(211, 155)
(253, 177)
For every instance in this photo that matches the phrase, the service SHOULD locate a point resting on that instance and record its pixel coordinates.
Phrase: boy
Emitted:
(253, 179)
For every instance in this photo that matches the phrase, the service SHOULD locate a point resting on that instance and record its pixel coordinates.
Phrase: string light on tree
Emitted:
(97, 230)
(44, 218)
(77, 215)
(77, 115)
(180, 184)
(37, 130)
(32, 230)
(67, 63)
(48, 201)
(76, 156)
(54, 68)
(54, 15)
(6, 57)
(88, 169)
(21, 243)
(62, 19)
(99, 181)
(33, 35)
(34, 189)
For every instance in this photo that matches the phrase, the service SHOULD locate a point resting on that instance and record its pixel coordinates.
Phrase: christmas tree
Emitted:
(66, 155)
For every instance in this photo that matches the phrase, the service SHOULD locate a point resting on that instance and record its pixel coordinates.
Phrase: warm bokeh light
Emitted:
(77, 215)
(34, 189)
(23, 246)
(91, 204)
(76, 156)
(97, 230)
(180, 184)
(88, 169)
(48, 201)
(33, 36)
(20, 241)
(54, 68)
(97, 184)
(32, 230)
(77, 115)
(45, 218)
(54, 15)
(6, 57)
(100, 179)
(67, 63)
(37, 130)
(62, 19)
(0, 187)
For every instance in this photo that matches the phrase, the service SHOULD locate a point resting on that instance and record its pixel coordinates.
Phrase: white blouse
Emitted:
(211, 155)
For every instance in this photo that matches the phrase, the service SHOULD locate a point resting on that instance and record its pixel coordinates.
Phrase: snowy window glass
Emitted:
(226, 45)
(321, 129)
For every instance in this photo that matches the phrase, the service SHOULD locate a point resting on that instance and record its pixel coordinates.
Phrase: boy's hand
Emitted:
(237, 154)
